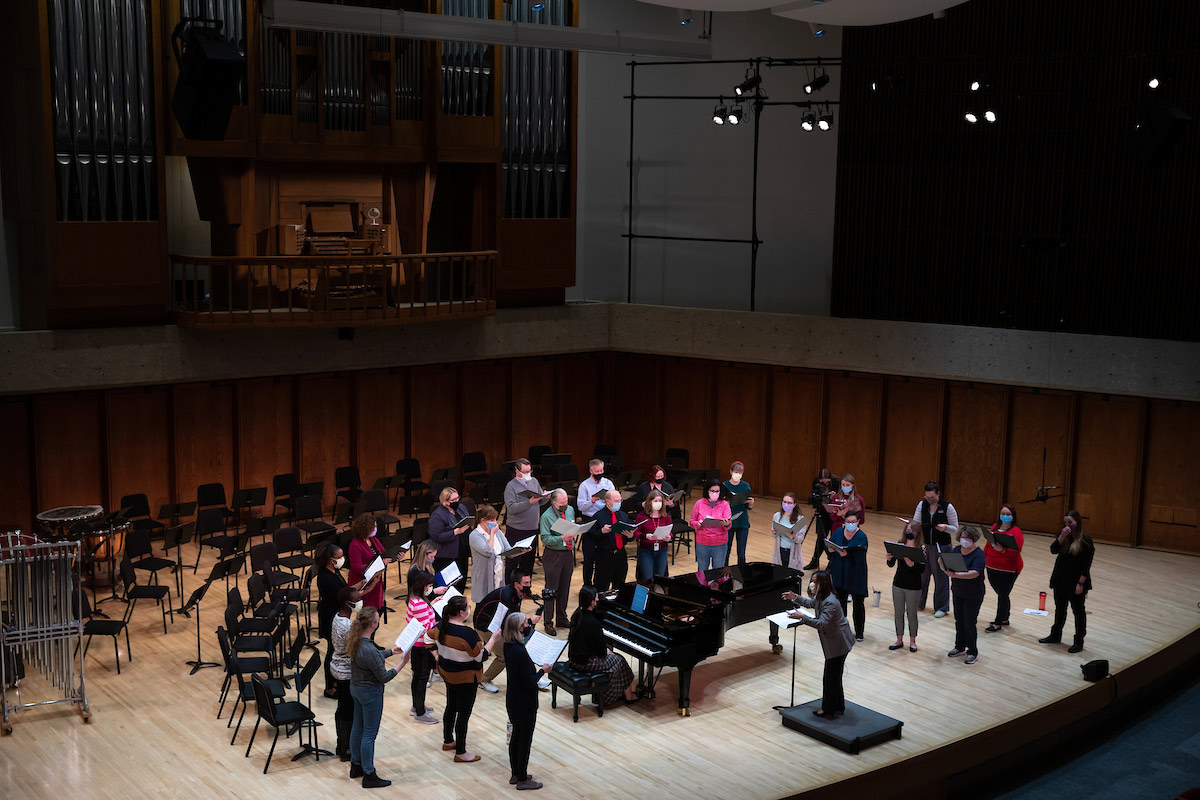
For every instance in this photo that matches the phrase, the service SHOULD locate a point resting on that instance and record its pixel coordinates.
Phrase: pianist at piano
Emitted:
(588, 649)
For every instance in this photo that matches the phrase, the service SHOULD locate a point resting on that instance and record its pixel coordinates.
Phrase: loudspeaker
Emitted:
(210, 72)
(1095, 670)
(1156, 130)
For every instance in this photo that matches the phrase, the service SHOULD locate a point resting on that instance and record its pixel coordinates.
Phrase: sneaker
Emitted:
(489, 687)
(412, 712)
(939, 614)
(435, 678)
(971, 659)
(529, 784)
(543, 683)
(955, 652)
(426, 719)
(858, 637)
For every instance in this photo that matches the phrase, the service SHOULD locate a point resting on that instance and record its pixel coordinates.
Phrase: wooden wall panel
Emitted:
(741, 428)
(634, 409)
(1041, 423)
(912, 441)
(382, 423)
(204, 438)
(16, 474)
(795, 432)
(485, 412)
(688, 398)
(1108, 453)
(434, 413)
(68, 450)
(579, 407)
(139, 446)
(325, 425)
(266, 432)
(535, 393)
(852, 431)
(976, 431)
(1171, 494)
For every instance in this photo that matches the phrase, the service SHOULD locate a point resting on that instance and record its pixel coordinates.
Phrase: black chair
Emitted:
(420, 530)
(137, 512)
(234, 668)
(212, 495)
(475, 469)
(254, 622)
(435, 489)
(139, 551)
(286, 488)
(211, 531)
(310, 515)
(286, 714)
(625, 479)
(567, 475)
(676, 465)
(103, 627)
(264, 558)
(452, 475)
(408, 470)
(134, 592)
(289, 543)
(613, 461)
(246, 500)
(347, 483)
(375, 502)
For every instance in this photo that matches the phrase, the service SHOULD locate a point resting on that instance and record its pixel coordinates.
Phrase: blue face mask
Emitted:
(1006, 518)
(847, 489)
(851, 527)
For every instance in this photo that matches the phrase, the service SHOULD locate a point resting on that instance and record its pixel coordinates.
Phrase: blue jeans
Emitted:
(650, 563)
(709, 556)
(742, 535)
(368, 711)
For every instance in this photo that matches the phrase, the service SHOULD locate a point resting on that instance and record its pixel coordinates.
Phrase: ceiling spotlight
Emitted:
(874, 86)
(808, 121)
(989, 115)
(747, 85)
(817, 84)
(818, 30)
(538, 7)
(976, 86)
(719, 113)
(1153, 84)
(826, 121)
(971, 118)
(735, 115)
(686, 16)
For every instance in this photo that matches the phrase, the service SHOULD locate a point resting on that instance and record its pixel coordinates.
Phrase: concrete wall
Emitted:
(693, 178)
(45, 361)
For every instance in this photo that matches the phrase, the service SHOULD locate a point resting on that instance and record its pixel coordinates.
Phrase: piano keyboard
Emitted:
(632, 645)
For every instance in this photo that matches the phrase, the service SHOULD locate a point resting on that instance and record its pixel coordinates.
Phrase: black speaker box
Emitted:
(1095, 670)
(210, 72)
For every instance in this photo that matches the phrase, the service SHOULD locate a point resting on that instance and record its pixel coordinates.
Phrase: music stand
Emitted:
(795, 625)
(174, 511)
(247, 500)
(194, 602)
(108, 524)
(177, 537)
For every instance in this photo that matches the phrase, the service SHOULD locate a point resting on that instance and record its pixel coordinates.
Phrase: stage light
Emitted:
(719, 113)
(817, 84)
(686, 16)
(971, 118)
(538, 7)
(818, 31)
(1153, 84)
(735, 115)
(874, 86)
(976, 86)
(989, 115)
(808, 121)
(747, 85)
(826, 121)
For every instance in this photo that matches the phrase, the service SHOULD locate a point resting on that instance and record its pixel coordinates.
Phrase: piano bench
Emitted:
(577, 682)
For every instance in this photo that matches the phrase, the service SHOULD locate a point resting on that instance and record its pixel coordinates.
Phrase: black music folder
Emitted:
(903, 551)
(953, 561)
(1006, 540)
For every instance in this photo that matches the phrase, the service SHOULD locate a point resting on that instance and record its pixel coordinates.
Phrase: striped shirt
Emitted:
(460, 653)
(419, 609)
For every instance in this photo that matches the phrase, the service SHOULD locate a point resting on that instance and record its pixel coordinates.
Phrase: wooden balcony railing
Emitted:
(342, 291)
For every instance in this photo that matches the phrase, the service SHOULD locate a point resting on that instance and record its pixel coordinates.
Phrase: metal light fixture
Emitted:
(825, 122)
(970, 117)
(747, 85)
(818, 30)
(817, 84)
(808, 121)
(719, 113)
(686, 16)
(1153, 83)
(735, 115)
(989, 115)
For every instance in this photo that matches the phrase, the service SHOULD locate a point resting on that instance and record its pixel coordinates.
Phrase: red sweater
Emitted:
(653, 526)
(1010, 559)
(360, 555)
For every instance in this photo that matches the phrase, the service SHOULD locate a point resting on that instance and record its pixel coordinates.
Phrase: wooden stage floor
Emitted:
(154, 731)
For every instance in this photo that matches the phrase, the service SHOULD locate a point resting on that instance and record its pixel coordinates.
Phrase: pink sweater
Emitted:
(706, 535)
(419, 609)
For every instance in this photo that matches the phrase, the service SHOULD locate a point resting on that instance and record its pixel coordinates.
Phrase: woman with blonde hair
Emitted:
(487, 543)
(522, 697)
(847, 500)
(368, 674)
(447, 522)
(653, 533)
(1071, 579)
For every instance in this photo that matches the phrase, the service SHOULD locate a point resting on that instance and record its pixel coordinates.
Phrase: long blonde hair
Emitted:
(514, 624)
(421, 554)
(358, 629)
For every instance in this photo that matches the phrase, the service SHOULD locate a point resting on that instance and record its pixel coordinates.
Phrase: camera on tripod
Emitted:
(546, 596)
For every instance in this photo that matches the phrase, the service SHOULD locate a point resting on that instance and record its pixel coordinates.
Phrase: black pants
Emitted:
(422, 664)
(589, 563)
(860, 609)
(966, 623)
(345, 703)
(1002, 584)
(833, 700)
(460, 700)
(329, 679)
(1063, 598)
(519, 746)
(611, 568)
(821, 526)
(440, 564)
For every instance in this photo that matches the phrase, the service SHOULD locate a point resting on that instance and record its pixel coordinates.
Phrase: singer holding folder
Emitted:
(445, 527)
(487, 543)
(558, 560)
(1004, 564)
(364, 547)
(653, 534)
(711, 538)
(522, 697)
(906, 586)
(612, 565)
(968, 590)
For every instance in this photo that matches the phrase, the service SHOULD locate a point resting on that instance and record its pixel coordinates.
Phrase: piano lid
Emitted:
(737, 580)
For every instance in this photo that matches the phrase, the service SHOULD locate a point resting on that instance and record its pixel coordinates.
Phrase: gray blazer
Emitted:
(483, 562)
(836, 637)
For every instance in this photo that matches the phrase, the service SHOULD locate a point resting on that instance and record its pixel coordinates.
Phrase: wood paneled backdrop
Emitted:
(1123, 462)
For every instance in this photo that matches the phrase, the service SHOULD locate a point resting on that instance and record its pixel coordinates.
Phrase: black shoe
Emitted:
(1076, 647)
(812, 565)
(355, 770)
(372, 781)
(1051, 639)
(895, 646)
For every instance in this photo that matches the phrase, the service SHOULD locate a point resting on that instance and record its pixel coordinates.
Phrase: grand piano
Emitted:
(686, 616)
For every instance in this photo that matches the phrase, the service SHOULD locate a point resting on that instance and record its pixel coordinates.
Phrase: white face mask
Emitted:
(734, 477)
(812, 588)
(966, 544)
(526, 476)
(357, 607)
(340, 562)
(656, 505)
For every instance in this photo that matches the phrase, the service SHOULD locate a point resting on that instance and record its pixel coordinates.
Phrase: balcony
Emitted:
(331, 291)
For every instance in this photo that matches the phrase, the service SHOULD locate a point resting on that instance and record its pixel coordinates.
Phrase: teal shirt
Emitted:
(734, 507)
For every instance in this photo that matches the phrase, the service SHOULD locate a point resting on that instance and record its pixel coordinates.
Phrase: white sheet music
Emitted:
(784, 621)
(439, 607)
(374, 568)
(451, 574)
(413, 631)
(544, 649)
(498, 620)
(526, 542)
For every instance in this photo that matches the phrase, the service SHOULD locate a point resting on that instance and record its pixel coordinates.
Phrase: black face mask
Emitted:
(909, 535)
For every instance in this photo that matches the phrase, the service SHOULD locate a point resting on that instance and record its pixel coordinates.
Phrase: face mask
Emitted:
(659, 480)
(734, 477)
(428, 590)
(714, 496)
(812, 588)
(598, 478)
(909, 535)
(788, 507)
(851, 527)
(1006, 518)
(492, 526)
(340, 562)
(374, 533)
(526, 476)
(847, 489)
(357, 607)
(966, 544)
(656, 505)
